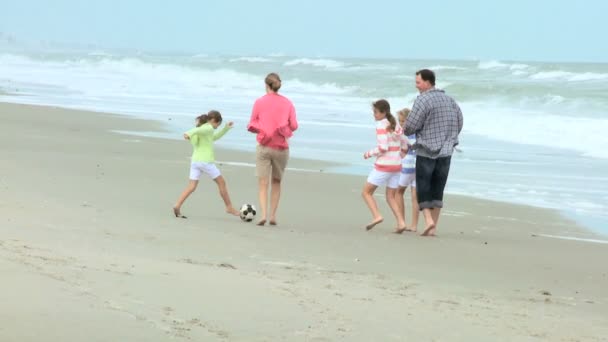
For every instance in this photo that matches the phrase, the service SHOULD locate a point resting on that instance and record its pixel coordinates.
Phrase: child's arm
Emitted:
(416, 118)
(382, 147)
(405, 144)
(223, 131)
(201, 130)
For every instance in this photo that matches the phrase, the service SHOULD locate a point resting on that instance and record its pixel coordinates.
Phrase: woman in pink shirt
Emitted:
(273, 119)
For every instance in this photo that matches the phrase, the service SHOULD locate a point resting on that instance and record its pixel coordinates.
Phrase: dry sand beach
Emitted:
(90, 251)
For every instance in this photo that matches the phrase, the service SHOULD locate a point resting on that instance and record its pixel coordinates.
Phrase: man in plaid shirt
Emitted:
(436, 120)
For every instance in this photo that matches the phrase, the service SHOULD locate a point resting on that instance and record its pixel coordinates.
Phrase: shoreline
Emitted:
(88, 228)
(158, 129)
(350, 170)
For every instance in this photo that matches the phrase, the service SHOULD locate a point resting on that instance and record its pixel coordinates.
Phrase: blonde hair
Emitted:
(404, 112)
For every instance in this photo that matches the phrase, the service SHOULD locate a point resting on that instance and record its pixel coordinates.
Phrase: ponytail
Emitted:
(201, 120)
(393, 123)
(212, 115)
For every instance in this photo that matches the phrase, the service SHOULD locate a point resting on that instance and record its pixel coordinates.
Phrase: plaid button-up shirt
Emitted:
(436, 120)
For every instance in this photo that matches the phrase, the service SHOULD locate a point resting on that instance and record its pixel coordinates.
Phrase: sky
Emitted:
(519, 30)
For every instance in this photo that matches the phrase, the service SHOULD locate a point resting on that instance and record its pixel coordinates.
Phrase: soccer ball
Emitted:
(247, 212)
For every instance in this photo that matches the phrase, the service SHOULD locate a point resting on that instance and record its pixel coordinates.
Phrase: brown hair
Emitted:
(427, 75)
(273, 81)
(212, 115)
(384, 107)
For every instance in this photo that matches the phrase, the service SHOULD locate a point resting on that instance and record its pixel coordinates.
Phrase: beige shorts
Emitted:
(269, 160)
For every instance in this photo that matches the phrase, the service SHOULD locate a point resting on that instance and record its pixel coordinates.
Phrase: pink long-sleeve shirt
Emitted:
(273, 119)
(390, 146)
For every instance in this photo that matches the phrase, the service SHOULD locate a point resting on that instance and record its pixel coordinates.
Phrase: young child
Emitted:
(387, 169)
(408, 175)
(202, 137)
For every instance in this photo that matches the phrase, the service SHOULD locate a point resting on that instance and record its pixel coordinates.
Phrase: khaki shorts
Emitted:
(269, 160)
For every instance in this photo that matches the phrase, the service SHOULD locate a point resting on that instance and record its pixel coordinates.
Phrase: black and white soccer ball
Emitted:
(247, 212)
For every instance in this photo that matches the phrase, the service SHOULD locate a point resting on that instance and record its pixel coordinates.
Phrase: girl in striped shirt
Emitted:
(391, 146)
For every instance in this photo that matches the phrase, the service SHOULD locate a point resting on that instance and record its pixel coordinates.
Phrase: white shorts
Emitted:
(381, 178)
(407, 179)
(198, 168)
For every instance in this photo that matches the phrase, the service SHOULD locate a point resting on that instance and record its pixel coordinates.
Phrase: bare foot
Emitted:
(429, 231)
(232, 211)
(400, 230)
(409, 229)
(261, 222)
(272, 222)
(178, 213)
(374, 223)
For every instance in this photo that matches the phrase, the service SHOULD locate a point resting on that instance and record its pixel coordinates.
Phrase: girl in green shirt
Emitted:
(202, 138)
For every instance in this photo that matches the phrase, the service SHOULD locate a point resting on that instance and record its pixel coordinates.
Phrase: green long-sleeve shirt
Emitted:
(202, 139)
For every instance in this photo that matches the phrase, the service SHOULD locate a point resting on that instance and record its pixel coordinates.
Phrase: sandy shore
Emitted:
(89, 251)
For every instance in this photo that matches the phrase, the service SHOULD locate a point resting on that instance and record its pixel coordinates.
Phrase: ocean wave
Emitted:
(324, 88)
(519, 66)
(553, 99)
(100, 54)
(487, 65)
(584, 136)
(251, 59)
(491, 65)
(568, 76)
(446, 67)
(321, 63)
(200, 55)
(136, 77)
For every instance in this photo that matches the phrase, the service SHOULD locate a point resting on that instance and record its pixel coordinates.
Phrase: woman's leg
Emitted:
(275, 196)
(279, 160)
(263, 198)
(263, 169)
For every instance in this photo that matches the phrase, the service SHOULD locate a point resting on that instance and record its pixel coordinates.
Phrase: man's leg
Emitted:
(438, 181)
(424, 172)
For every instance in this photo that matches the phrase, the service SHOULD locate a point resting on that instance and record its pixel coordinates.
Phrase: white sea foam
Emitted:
(321, 63)
(560, 75)
(521, 126)
(251, 59)
(446, 67)
(493, 64)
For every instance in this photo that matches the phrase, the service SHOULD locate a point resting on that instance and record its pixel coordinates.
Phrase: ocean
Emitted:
(534, 133)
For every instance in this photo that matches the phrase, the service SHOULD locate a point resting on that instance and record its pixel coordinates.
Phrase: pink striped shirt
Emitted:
(273, 119)
(390, 146)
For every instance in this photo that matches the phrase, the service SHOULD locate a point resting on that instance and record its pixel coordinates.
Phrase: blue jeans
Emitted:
(431, 177)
